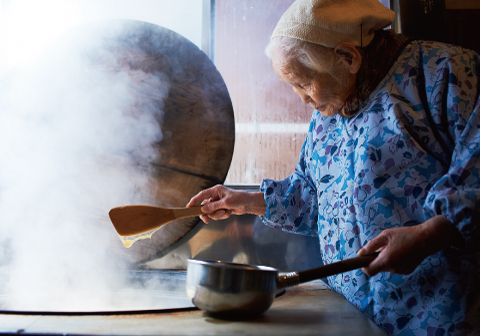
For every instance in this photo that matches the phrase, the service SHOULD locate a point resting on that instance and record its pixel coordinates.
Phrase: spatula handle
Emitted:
(180, 213)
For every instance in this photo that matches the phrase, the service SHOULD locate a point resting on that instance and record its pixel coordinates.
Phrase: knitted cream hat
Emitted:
(330, 22)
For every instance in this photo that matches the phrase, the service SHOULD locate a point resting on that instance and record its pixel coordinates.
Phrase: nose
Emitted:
(303, 95)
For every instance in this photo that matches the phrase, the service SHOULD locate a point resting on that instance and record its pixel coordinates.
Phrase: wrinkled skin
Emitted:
(220, 202)
(402, 249)
(326, 91)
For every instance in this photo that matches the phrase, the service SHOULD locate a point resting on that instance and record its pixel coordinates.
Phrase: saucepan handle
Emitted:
(336, 268)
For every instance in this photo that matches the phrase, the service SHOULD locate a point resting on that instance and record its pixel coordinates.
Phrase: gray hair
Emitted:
(311, 56)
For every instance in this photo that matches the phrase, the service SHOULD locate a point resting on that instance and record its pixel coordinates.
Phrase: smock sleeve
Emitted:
(292, 202)
(451, 83)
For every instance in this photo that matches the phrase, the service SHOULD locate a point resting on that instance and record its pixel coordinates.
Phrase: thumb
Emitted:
(374, 245)
(211, 206)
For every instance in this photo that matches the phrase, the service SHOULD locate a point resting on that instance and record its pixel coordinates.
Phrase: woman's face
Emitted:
(325, 92)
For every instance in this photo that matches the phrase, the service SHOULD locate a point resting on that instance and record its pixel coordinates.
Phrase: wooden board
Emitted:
(196, 119)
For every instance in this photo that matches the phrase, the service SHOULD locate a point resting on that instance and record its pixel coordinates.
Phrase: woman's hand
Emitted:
(220, 202)
(403, 249)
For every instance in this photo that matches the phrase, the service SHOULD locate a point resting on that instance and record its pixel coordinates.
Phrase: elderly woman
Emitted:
(390, 163)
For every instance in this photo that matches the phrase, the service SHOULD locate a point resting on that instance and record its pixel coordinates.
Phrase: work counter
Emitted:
(308, 309)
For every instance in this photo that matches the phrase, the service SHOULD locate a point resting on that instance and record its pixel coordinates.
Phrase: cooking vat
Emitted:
(142, 291)
(310, 309)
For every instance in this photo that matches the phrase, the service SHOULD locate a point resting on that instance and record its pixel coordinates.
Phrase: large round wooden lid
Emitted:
(175, 84)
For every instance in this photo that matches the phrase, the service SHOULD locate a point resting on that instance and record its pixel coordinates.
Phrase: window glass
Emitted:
(271, 121)
(27, 27)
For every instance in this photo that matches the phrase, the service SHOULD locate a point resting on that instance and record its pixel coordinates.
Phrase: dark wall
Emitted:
(464, 27)
(423, 19)
(434, 20)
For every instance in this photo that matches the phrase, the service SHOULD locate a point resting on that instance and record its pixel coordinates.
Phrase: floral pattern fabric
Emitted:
(410, 153)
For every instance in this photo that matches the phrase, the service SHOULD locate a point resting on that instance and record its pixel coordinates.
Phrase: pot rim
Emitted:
(231, 265)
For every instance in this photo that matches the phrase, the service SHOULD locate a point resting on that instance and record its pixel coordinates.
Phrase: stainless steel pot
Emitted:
(235, 290)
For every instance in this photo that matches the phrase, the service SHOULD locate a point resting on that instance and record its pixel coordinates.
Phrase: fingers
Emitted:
(217, 215)
(220, 214)
(205, 201)
(400, 252)
(385, 262)
(202, 195)
(206, 194)
(213, 203)
(378, 265)
(374, 245)
(205, 219)
(216, 204)
(209, 207)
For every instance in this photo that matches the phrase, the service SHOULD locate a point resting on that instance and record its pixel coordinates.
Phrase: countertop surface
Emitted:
(307, 309)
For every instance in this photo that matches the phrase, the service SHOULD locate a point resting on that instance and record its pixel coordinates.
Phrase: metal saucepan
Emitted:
(229, 290)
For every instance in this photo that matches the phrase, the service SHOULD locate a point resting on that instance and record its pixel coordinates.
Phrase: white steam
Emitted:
(75, 140)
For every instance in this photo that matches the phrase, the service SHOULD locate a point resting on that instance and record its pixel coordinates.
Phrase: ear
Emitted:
(348, 54)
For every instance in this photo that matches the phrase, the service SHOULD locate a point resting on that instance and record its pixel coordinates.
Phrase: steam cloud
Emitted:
(73, 142)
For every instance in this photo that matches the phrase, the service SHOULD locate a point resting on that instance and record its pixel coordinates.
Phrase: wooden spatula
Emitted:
(133, 220)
